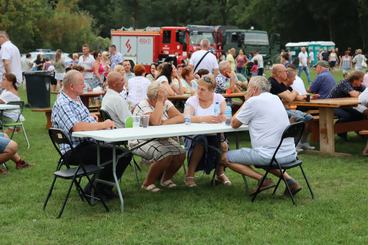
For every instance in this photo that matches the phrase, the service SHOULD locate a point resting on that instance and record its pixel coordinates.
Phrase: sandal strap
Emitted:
(151, 188)
(168, 183)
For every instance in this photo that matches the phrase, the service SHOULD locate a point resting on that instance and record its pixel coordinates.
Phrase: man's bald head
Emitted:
(278, 71)
(115, 80)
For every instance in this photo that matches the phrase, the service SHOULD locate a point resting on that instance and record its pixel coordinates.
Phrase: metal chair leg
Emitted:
(67, 197)
(25, 136)
(50, 192)
(306, 180)
(287, 187)
(259, 186)
(277, 185)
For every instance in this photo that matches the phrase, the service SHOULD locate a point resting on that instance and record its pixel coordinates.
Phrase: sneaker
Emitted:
(268, 183)
(298, 148)
(22, 164)
(306, 146)
(293, 186)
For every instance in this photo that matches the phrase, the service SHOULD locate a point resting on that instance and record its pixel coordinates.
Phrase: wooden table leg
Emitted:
(48, 119)
(326, 130)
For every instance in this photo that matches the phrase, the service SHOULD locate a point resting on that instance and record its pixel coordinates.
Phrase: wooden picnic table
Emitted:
(87, 95)
(186, 96)
(326, 119)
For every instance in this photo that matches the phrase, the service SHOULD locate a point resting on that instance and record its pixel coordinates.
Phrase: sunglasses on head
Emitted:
(207, 79)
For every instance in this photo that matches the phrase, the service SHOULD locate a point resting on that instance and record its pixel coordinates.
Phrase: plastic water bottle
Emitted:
(216, 109)
(228, 114)
(187, 115)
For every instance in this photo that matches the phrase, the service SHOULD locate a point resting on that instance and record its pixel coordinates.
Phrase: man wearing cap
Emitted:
(324, 82)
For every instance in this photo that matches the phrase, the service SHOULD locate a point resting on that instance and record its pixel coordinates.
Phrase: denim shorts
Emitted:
(299, 116)
(249, 156)
(3, 142)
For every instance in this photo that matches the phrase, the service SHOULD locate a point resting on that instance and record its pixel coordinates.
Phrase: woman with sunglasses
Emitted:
(208, 107)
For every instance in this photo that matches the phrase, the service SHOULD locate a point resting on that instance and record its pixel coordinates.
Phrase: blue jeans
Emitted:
(306, 70)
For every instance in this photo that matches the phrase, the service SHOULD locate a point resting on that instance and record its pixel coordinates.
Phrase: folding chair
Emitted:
(104, 115)
(295, 131)
(18, 122)
(75, 174)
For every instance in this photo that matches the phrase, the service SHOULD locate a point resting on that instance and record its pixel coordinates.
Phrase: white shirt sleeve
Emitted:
(363, 97)
(5, 53)
(246, 112)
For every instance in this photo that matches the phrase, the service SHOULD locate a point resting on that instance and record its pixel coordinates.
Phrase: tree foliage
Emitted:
(69, 23)
(341, 21)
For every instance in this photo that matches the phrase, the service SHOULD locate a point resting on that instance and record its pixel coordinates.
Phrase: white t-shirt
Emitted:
(303, 59)
(193, 101)
(87, 64)
(209, 62)
(298, 86)
(8, 96)
(267, 119)
(116, 106)
(311, 56)
(259, 59)
(161, 79)
(10, 52)
(137, 89)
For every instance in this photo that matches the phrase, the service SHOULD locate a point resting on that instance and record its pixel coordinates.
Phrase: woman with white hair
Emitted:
(166, 154)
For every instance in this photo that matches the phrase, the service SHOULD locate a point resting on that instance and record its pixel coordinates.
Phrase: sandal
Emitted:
(151, 188)
(168, 183)
(3, 171)
(223, 179)
(189, 182)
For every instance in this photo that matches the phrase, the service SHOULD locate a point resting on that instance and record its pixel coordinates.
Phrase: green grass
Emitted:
(205, 215)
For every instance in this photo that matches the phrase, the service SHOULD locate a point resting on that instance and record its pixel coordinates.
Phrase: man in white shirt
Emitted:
(113, 102)
(297, 84)
(87, 61)
(266, 118)
(259, 58)
(303, 63)
(209, 61)
(9, 58)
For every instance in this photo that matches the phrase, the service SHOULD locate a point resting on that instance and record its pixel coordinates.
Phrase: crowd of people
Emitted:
(131, 91)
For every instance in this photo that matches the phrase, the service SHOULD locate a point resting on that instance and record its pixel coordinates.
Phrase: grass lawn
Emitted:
(204, 215)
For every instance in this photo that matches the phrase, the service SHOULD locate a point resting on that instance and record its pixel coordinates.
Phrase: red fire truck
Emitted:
(152, 44)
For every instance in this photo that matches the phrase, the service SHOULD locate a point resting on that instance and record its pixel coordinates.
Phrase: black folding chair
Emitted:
(295, 131)
(105, 116)
(75, 174)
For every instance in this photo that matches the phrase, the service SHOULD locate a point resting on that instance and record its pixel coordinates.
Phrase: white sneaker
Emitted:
(298, 149)
(306, 146)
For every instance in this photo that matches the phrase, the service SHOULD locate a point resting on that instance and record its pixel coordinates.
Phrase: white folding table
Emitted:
(151, 132)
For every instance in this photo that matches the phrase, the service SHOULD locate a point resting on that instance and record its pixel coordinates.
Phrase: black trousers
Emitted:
(348, 114)
(86, 153)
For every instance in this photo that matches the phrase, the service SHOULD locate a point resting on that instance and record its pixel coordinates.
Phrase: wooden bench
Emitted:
(339, 127)
(47, 112)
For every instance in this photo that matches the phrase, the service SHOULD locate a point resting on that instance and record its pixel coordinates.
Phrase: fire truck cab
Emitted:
(152, 44)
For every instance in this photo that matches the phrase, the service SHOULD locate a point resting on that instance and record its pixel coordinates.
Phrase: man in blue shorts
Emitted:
(266, 118)
(8, 151)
